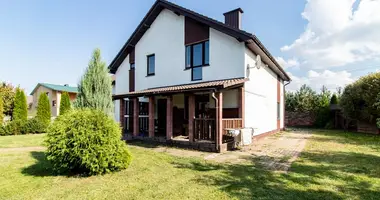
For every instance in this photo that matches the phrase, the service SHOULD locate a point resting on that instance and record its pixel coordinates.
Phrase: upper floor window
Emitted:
(197, 56)
(151, 65)
(132, 66)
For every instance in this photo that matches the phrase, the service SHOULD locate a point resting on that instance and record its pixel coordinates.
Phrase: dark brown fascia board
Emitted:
(121, 96)
(264, 49)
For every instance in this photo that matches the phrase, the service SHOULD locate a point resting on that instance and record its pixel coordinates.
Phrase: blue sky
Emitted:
(52, 41)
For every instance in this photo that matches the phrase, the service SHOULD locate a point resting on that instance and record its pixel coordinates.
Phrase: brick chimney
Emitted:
(233, 18)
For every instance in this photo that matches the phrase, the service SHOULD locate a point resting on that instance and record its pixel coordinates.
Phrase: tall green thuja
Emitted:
(65, 104)
(1, 111)
(43, 109)
(95, 87)
(20, 110)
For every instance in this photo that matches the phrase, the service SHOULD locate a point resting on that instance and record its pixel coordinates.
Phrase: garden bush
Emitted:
(34, 126)
(2, 131)
(86, 142)
(15, 127)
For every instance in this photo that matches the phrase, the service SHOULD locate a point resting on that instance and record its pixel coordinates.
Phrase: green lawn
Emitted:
(334, 165)
(21, 140)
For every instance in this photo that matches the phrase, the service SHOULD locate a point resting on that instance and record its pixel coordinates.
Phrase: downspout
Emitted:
(216, 119)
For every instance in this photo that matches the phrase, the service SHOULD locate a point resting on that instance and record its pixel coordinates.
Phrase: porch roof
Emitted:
(217, 84)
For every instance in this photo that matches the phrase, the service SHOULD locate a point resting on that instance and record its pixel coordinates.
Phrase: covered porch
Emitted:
(193, 116)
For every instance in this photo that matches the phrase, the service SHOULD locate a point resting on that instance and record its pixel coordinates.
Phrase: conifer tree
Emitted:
(95, 87)
(1, 111)
(65, 104)
(20, 110)
(43, 109)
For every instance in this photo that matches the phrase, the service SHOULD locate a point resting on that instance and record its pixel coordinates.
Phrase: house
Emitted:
(54, 93)
(185, 79)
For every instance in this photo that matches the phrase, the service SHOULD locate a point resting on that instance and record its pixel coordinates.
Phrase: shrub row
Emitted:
(18, 127)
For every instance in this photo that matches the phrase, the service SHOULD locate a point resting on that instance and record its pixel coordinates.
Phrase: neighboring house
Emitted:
(185, 78)
(54, 93)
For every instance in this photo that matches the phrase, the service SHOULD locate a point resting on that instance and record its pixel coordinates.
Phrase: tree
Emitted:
(65, 104)
(7, 91)
(358, 100)
(1, 111)
(334, 99)
(43, 109)
(95, 87)
(20, 110)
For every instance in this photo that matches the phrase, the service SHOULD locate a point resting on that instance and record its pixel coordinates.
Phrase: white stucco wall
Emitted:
(260, 97)
(122, 78)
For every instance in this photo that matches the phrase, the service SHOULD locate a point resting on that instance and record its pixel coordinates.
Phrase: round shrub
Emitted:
(86, 142)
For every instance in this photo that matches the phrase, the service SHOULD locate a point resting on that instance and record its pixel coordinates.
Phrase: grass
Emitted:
(21, 140)
(334, 165)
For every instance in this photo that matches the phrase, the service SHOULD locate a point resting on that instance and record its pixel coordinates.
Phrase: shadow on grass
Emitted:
(42, 167)
(145, 144)
(338, 175)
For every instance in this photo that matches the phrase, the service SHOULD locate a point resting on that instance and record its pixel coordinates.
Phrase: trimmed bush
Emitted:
(86, 142)
(65, 105)
(20, 110)
(34, 126)
(2, 131)
(15, 127)
(43, 109)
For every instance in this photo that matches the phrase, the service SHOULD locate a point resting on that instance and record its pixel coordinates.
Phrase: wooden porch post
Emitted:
(241, 104)
(169, 118)
(151, 116)
(136, 110)
(122, 115)
(191, 117)
(219, 121)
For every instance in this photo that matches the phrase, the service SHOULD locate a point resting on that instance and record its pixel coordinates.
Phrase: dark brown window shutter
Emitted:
(195, 31)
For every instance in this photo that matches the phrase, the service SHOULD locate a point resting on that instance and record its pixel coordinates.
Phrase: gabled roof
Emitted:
(61, 88)
(251, 41)
(220, 84)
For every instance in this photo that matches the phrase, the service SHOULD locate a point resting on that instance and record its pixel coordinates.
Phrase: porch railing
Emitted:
(204, 129)
(231, 123)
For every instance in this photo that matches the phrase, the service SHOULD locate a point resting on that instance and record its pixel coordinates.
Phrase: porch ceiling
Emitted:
(217, 84)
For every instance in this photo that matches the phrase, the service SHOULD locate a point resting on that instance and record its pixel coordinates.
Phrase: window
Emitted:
(197, 56)
(132, 66)
(151, 65)
(188, 57)
(278, 111)
(196, 73)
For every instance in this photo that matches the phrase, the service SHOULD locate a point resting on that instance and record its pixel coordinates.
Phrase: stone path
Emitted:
(275, 152)
(22, 149)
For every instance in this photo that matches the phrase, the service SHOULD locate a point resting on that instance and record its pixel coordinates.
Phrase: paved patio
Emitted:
(275, 152)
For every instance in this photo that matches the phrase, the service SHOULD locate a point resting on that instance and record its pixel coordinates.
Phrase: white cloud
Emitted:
(336, 34)
(293, 62)
(332, 80)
